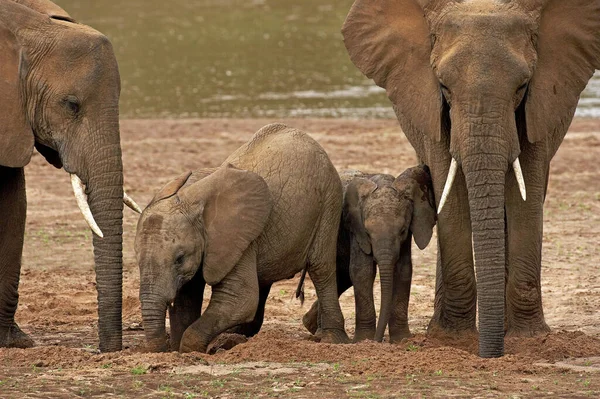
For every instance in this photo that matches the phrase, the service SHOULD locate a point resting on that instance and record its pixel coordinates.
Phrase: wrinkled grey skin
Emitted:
(380, 216)
(270, 209)
(60, 87)
(485, 83)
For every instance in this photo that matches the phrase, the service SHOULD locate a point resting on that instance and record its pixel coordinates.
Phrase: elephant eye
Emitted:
(522, 87)
(445, 91)
(72, 104)
(179, 260)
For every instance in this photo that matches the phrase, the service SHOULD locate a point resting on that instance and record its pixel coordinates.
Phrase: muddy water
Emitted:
(239, 58)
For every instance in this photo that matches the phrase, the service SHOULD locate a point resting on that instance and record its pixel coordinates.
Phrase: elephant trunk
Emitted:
(104, 188)
(386, 273)
(485, 170)
(154, 313)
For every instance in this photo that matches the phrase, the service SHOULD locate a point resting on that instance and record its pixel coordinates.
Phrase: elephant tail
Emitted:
(300, 289)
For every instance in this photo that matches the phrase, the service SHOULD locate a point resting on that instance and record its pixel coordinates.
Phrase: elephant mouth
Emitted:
(79, 189)
(452, 174)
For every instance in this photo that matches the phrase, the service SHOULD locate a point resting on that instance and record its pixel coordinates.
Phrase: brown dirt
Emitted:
(58, 296)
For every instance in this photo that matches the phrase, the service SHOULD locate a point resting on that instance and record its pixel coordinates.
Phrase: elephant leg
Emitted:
(402, 280)
(233, 302)
(252, 328)
(13, 209)
(524, 312)
(323, 273)
(362, 273)
(456, 292)
(311, 319)
(186, 308)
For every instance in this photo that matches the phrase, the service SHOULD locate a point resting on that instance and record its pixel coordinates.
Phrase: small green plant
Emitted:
(218, 383)
(439, 372)
(587, 383)
(189, 395)
(167, 390)
(412, 348)
(535, 387)
(107, 365)
(336, 367)
(282, 292)
(139, 370)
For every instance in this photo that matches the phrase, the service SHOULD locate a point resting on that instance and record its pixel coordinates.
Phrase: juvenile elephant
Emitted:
(271, 209)
(380, 215)
(485, 91)
(59, 93)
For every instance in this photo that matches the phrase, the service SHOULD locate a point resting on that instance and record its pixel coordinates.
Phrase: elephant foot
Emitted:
(157, 345)
(192, 342)
(225, 342)
(331, 336)
(310, 320)
(451, 326)
(14, 337)
(397, 336)
(364, 335)
(529, 330)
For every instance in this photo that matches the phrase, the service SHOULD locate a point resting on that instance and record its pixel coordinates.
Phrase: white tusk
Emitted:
(519, 175)
(79, 191)
(127, 200)
(448, 186)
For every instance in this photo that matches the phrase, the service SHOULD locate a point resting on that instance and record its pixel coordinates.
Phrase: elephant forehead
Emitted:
(385, 205)
(489, 17)
(153, 222)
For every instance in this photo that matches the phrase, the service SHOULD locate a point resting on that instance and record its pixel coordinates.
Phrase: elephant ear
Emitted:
(356, 192)
(568, 50)
(420, 188)
(48, 8)
(235, 205)
(171, 188)
(16, 135)
(390, 42)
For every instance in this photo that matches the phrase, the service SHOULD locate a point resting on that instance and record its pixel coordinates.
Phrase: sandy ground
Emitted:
(58, 296)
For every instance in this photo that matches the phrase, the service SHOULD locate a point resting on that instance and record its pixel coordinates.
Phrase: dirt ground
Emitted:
(58, 297)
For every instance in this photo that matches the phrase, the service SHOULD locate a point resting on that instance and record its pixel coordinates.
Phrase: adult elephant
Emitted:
(489, 88)
(59, 85)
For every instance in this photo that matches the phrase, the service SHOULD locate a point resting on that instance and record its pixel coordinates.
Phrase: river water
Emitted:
(234, 58)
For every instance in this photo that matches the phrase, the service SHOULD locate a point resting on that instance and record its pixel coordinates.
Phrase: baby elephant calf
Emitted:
(380, 215)
(271, 209)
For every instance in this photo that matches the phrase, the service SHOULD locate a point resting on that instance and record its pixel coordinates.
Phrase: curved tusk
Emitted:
(79, 191)
(520, 180)
(448, 186)
(127, 200)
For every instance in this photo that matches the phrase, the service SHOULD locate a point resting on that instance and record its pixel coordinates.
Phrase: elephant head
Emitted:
(60, 90)
(481, 77)
(203, 226)
(382, 213)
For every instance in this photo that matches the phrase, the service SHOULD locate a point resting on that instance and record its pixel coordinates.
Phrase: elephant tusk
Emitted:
(127, 200)
(520, 179)
(79, 191)
(448, 186)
